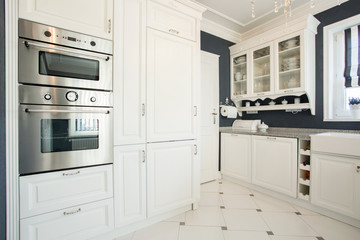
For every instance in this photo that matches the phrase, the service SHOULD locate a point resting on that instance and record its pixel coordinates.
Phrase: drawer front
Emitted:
(48, 192)
(171, 21)
(80, 222)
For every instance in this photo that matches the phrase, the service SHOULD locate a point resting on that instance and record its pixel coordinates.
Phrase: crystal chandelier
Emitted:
(286, 4)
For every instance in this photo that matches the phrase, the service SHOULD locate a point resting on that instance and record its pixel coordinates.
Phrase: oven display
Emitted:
(60, 135)
(71, 39)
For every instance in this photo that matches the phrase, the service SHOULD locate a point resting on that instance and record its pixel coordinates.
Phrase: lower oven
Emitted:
(63, 128)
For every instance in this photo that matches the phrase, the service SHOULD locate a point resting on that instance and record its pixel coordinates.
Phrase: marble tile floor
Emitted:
(228, 211)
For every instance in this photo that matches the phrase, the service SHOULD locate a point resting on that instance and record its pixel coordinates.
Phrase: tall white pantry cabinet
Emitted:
(156, 78)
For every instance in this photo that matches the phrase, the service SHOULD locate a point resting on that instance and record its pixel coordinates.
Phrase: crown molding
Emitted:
(300, 12)
(219, 31)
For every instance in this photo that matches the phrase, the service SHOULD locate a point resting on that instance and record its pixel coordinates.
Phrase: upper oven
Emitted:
(56, 57)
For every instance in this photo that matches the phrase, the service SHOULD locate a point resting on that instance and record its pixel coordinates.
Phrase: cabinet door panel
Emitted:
(290, 63)
(129, 184)
(170, 87)
(275, 164)
(236, 156)
(129, 73)
(46, 192)
(67, 14)
(77, 223)
(335, 184)
(170, 21)
(169, 176)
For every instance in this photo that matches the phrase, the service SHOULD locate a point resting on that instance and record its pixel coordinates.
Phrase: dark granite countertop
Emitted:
(301, 133)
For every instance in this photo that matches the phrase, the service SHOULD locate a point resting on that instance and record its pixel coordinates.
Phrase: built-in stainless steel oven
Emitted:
(63, 128)
(65, 95)
(57, 57)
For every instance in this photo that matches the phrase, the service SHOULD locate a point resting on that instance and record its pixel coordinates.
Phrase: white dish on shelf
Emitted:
(284, 102)
(257, 104)
(272, 103)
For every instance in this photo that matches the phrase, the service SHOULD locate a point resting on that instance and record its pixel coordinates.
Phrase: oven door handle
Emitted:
(29, 44)
(28, 110)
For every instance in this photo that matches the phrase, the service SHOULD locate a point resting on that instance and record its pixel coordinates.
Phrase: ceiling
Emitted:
(235, 15)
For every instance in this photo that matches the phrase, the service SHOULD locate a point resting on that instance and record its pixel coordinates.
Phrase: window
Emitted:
(341, 71)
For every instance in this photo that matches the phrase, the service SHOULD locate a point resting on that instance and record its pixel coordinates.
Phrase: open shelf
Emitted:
(304, 169)
(276, 107)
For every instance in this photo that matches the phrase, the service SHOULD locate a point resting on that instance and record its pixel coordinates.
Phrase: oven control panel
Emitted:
(45, 33)
(64, 96)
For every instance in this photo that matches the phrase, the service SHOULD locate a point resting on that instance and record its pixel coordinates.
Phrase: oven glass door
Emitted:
(52, 65)
(60, 65)
(54, 137)
(61, 135)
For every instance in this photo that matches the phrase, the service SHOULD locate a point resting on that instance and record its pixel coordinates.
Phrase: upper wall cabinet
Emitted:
(274, 64)
(97, 20)
(170, 21)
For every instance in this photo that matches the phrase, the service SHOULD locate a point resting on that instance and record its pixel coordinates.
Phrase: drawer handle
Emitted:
(260, 94)
(271, 138)
(71, 174)
(72, 212)
(196, 149)
(174, 31)
(287, 91)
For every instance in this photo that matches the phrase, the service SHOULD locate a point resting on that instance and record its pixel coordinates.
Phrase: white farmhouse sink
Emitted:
(337, 143)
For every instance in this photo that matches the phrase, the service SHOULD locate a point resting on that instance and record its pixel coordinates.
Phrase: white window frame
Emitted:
(334, 83)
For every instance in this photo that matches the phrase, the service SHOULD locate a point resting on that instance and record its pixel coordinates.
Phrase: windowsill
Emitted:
(341, 120)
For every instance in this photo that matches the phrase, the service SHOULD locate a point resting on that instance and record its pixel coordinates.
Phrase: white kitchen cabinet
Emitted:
(335, 183)
(76, 223)
(240, 70)
(281, 63)
(92, 17)
(129, 184)
(262, 65)
(176, 23)
(42, 193)
(274, 164)
(236, 156)
(172, 64)
(169, 175)
(129, 72)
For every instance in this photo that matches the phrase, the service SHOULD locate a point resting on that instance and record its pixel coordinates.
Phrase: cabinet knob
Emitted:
(358, 169)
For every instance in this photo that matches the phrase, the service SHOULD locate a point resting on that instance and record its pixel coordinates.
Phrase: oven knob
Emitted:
(47, 97)
(92, 43)
(71, 96)
(47, 33)
(93, 99)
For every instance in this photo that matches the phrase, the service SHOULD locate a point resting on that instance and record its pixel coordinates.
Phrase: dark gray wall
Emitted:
(219, 46)
(2, 124)
(305, 119)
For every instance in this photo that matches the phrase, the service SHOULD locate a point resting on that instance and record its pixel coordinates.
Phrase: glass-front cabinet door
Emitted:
(262, 65)
(288, 61)
(239, 78)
